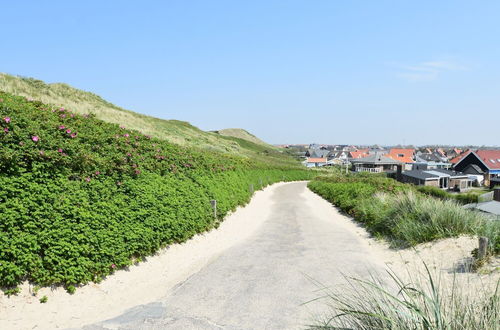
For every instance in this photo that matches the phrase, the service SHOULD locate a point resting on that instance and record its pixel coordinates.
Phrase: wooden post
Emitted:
(483, 248)
(213, 202)
(260, 182)
(251, 188)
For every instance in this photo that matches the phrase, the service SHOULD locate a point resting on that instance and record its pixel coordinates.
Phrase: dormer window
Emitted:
(492, 160)
(401, 155)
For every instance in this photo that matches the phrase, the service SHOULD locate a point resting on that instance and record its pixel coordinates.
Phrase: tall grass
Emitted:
(402, 215)
(421, 304)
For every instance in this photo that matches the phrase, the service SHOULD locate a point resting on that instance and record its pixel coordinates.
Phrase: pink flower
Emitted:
(68, 131)
(42, 153)
(61, 109)
(1, 100)
(126, 135)
(113, 266)
(129, 154)
(137, 172)
(97, 172)
(73, 135)
(72, 115)
(59, 150)
(87, 179)
(35, 138)
(122, 127)
(7, 119)
(62, 127)
(63, 116)
(6, 130)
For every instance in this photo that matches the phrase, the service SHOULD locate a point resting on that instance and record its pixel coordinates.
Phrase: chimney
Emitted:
(496, 194)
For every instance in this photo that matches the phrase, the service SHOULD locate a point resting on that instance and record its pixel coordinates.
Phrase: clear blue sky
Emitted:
(361, 72)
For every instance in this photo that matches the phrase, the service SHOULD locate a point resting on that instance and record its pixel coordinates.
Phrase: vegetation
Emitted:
(399, 213)
(241, 134)
(81, 197)
(174, 131)
(463, 198)
(423, 304)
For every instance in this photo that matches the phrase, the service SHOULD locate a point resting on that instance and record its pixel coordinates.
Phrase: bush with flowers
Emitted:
(81, 198)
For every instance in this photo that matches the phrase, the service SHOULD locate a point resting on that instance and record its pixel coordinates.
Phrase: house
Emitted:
(487, 161)
(429, 161)
(406, 156)
(317, 153)
(375, 163)
(358, 153)
(441, 178)
(315, 162)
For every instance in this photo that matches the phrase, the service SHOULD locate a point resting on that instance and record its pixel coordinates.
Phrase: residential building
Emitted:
(440, 178)
(315, 162)
(486, 161)
(406, 156)
(375, 163)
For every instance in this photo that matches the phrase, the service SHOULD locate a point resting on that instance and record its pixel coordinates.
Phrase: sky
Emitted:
(336, 72)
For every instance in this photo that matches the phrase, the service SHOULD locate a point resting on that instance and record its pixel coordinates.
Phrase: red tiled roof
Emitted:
(490, 157)
(316, 160)
(402, 155)
(359, 153)
(459, 157)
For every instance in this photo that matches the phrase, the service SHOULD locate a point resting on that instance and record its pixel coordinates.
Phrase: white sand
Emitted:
(141, 284)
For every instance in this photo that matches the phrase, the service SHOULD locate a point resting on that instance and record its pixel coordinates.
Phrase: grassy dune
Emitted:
(174, 131)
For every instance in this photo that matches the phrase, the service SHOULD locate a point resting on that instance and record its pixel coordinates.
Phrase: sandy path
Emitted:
(141, 284)
(250, 273)
(264, 281)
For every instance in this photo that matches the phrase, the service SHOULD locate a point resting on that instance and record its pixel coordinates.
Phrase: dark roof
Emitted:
(377, 159)
(418, 174)
(473, 169)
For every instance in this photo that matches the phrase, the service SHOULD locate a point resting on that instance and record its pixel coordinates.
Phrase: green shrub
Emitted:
(401, 214)
(77, 207)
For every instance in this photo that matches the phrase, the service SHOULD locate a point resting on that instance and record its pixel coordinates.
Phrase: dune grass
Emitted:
(422, 303)
(175, 131)
(401, 214)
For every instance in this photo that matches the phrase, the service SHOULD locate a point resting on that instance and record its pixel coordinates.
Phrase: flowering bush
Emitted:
(81, 198)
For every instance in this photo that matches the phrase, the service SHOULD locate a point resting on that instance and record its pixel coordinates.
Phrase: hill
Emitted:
(175, 131)
(242, 134)
(82, 197)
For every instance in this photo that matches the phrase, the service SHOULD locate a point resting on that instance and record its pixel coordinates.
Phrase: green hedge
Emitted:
(76, 207)
(401, 214)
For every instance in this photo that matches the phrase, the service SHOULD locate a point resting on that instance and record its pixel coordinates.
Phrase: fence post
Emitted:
(251, 188)
(483, 248)
(213, 202)
(260, 182)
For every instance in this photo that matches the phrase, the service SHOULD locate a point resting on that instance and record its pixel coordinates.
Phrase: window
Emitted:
(492, 160)
(401, 155)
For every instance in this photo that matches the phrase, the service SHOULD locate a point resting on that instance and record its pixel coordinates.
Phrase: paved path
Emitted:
(262, 282)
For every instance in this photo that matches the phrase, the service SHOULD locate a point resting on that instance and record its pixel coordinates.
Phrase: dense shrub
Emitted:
(399, 213)
(80, 198)
(462, 198)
